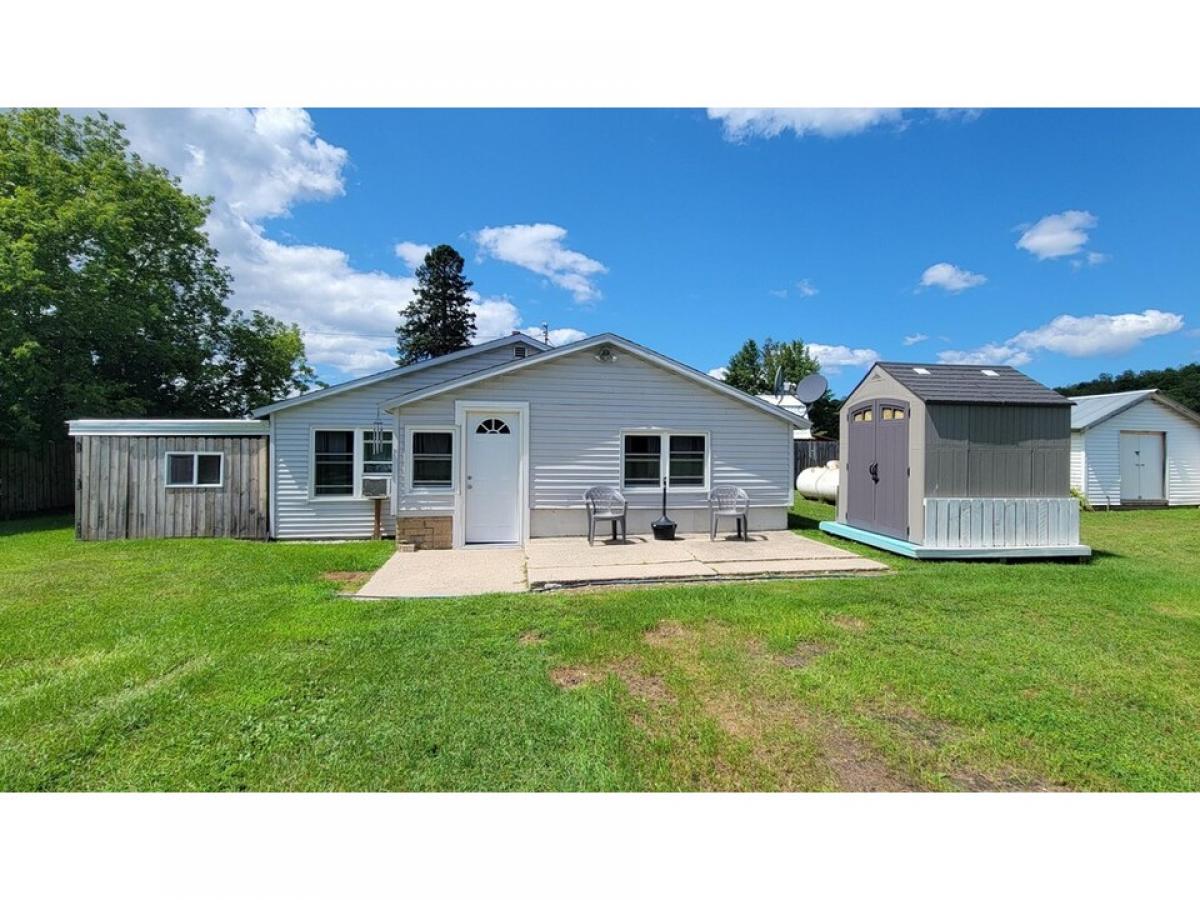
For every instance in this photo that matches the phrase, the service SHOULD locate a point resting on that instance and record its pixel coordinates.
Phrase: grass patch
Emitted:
(224, 665)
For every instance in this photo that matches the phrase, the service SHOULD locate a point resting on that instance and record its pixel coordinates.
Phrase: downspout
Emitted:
(271, 478)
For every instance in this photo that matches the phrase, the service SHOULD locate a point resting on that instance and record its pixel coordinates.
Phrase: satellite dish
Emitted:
(811, 389)
(779, 384)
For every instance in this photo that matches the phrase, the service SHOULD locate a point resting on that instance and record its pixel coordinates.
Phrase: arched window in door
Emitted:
(492, 426)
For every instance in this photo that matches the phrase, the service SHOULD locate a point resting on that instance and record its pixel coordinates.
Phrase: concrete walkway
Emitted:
(566, 562)
(569, 562)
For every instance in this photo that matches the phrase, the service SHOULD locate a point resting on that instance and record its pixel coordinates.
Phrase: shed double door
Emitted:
(1142, 465)
(877, 467)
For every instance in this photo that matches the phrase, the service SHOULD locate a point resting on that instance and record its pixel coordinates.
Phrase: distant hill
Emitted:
(1181, 384)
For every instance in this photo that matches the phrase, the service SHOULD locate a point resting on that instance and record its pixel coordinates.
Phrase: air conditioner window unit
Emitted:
(377, 486)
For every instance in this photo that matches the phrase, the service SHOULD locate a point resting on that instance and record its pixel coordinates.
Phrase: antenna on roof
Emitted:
(546, 333)
(779, 385)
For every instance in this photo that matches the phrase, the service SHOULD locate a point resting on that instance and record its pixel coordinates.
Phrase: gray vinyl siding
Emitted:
(997, 451)
(296, 514)
(578, 408)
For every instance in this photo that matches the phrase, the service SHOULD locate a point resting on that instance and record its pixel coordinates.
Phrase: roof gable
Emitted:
(334, 390)
(1092, 409)
(996, 385)
(594, 343)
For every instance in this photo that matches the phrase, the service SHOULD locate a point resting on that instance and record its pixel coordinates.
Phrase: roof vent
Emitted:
(920, 370)
(519, 351)
(990, 373)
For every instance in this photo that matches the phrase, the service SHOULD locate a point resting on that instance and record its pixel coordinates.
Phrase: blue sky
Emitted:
(1063, 241)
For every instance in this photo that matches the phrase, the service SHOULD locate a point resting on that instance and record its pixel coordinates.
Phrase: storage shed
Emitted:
(1135, 449)
(139, 478)
(950, 461)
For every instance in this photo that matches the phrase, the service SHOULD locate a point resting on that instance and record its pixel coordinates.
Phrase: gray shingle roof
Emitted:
(970, 384)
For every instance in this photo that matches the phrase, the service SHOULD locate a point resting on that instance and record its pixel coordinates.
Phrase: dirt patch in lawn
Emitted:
(665, 632)
(350, 581)
(531, 639)
(570, 677)
(848, 623)
(802, 654)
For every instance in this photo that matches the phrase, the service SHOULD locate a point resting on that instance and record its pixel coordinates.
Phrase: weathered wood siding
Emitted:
(36, 480)
(983, 522)
(997, 451)
(121, 489)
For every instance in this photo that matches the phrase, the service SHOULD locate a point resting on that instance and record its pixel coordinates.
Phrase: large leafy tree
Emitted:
(1182, 384)
(438, 320)
(112, 301)
(753, 370)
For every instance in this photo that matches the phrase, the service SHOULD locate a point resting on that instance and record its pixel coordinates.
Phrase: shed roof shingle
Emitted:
(969, 384)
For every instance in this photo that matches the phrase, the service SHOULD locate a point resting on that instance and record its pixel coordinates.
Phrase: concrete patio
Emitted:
(551, 563)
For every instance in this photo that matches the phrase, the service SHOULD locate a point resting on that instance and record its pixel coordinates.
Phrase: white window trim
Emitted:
(357, 495)
(665, 460)
(195, 469)
(409, 487)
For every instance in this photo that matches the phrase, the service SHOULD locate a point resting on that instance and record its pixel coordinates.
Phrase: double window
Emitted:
(341, 455)
(188, 469)
(650, 459)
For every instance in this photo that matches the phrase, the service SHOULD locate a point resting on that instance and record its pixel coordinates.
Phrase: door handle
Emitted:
(874, 470)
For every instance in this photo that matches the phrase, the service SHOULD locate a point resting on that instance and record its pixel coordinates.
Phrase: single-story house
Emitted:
(1135, 448)
(496, 443)
(956, 461)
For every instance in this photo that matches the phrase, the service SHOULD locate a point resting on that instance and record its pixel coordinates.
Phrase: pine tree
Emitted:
(438, 320)
(745, 369)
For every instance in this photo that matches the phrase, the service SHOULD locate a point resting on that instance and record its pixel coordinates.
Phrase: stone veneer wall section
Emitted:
(425, 532)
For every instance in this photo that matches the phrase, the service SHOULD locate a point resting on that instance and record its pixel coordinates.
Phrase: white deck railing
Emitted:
(1001, 522)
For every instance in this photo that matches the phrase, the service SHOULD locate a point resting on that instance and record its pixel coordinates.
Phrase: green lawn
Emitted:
(219, 665)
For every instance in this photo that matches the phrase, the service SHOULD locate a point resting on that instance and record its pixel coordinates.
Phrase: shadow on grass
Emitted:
(35, 523)
(796, 520)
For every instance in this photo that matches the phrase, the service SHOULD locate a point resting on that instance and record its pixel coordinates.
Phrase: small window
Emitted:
(194, 469)
(920, 370)
(990, 373)
(492, 426)
(333, 460)
(864, 415)
(643, 460)
(520, 350)
(686, 468)
(432, 459)
(377, 455)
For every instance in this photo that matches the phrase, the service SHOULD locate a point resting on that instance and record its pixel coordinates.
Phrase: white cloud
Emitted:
(497, 317)
(719, 373)
(1073, 336)
(806, 288)
(539, 248)
(1091, 259)
(833, 358)
(781, 293)
(911, 339)
(1061, 234)
(987, 355)
(1099, 334)
(412, 254)
(950, 278)
(740, 124)
(257, 164)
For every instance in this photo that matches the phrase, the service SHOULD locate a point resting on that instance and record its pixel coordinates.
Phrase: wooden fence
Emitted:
(813, 453)
(38, 480)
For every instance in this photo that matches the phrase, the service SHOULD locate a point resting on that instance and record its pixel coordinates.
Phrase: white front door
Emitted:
(1142, 465)
(493, 489)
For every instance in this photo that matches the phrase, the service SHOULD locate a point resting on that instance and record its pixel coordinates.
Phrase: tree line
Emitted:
(753, 369)
(1181, 384)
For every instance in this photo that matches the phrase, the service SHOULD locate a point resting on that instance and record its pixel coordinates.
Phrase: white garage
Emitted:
(1136, 448)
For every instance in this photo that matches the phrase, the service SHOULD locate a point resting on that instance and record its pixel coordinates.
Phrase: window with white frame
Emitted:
(342, 456)
(432, 459)
(194, 469)
(649, 459)
(333, 463)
